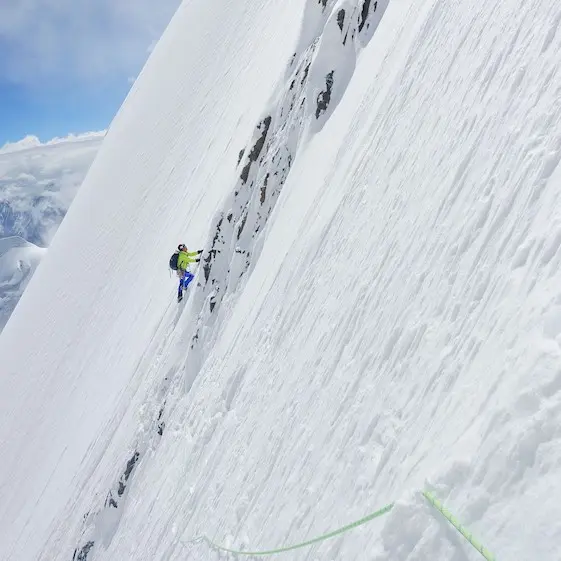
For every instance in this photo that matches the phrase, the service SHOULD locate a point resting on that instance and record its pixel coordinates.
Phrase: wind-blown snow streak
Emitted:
(212, 92)
(238, 230)
(380, 317)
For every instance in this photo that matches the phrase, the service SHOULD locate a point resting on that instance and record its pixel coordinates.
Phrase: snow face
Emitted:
(376, 313)
(180, 129)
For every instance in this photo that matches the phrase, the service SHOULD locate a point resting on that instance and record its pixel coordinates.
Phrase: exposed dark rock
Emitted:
(212, 252)
(340, 20)
(364, 14)
(245, 173)
(324, 98)
(207, 266)
(161, 424)
(110, 501)
(306, 71)
(264, 188)
(263, 126)
(130, 465)
(218, 227)
(229, 217)
(82, 553)
(128, 470)
(240, 155)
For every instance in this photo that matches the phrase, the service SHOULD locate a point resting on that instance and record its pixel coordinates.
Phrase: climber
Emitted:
(180, 262)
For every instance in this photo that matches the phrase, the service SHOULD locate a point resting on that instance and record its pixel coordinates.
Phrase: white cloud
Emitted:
(32, 141)
(18, 261)
(61, 40)
(29, 141)
(38, 181)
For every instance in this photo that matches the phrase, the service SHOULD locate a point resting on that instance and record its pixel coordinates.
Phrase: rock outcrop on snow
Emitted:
(376, 314)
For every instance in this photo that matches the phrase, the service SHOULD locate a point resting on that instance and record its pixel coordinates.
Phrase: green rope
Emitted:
(457, 524)
(430, 498)
(321, 538)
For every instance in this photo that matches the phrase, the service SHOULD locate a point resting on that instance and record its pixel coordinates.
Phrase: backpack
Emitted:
(173, 261)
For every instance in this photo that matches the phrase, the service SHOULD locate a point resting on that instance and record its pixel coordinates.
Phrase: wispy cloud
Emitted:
(38, 181)
(31, 141)
(58, 41)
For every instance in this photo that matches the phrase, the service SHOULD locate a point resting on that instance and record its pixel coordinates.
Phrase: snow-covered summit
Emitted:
(18, 261)
(377, 312)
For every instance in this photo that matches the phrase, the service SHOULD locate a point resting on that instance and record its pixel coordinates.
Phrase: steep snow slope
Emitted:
(18, 261)
(70, 351)
(378, 311)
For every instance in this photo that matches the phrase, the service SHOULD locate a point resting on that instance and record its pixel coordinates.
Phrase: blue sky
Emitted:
(57, 112)
(66, 65)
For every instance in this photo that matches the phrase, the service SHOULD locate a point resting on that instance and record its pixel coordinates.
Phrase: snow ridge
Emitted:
(332, 35)
(400, 329)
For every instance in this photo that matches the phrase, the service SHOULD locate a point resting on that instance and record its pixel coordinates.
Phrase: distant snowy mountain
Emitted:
(18, 261)
(377, 312)
(39, 181)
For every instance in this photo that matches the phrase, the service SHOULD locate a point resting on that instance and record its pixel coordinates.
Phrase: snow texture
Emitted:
(378, 311)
